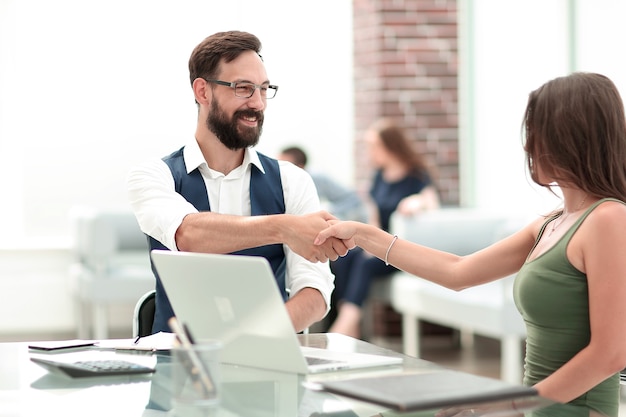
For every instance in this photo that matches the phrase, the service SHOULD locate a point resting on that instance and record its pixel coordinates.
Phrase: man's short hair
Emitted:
(205, 58)
(298, 155)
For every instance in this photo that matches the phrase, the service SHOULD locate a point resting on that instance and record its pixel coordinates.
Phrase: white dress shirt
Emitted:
(160, 209)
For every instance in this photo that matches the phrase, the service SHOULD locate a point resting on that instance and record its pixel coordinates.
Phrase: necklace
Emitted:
(555, 225)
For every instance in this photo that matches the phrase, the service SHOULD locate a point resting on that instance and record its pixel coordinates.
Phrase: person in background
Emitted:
(216, 194)
(343, 202)
(402, 183)
(571, 269)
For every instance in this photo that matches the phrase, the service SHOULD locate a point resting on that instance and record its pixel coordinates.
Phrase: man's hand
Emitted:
(301, 231)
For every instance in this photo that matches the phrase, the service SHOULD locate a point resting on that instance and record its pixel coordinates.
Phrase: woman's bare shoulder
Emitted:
(609, 213)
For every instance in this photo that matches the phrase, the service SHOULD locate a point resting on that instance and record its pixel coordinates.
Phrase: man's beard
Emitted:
(227, 130)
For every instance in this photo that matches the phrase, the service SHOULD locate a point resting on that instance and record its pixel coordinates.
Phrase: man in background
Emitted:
(342, 201)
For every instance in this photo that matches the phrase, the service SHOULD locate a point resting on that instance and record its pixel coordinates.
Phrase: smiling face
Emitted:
(238, 122)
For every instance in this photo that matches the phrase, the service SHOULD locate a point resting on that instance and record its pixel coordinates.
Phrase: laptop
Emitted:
(235, 299)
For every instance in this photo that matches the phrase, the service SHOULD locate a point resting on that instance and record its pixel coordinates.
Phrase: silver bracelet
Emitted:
(395, 237)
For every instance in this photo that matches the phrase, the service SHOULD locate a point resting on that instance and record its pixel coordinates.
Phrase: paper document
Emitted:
(161, 341)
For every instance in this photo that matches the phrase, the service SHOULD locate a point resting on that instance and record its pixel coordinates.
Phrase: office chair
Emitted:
(143, 316)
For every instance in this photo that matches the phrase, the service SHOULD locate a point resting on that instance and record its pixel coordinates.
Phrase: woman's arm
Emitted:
(501, 259)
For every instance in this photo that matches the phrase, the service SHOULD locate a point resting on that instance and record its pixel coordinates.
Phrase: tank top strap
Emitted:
(568, 235)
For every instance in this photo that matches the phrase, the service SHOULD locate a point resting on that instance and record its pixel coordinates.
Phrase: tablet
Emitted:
(55, 345)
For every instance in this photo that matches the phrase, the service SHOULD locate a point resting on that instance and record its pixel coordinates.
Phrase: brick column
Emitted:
(405, 67)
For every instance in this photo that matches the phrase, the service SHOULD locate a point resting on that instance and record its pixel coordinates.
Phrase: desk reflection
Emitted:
(249, 392)
(28, 390)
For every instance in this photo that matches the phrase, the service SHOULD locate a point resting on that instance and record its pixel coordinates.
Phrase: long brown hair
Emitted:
(575, 130)
(394, 139)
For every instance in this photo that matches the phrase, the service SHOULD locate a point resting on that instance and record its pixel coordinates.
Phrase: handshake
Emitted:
(320, 236)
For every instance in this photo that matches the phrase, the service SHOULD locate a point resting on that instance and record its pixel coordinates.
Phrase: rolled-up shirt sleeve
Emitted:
(158, 207)
(301, 198)
(160, 210)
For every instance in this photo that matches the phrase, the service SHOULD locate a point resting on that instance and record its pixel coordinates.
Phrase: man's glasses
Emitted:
(246, 90)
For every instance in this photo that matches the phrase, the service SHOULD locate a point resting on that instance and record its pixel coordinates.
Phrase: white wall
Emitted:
(600, 37)
(512, 48)
(516, 47)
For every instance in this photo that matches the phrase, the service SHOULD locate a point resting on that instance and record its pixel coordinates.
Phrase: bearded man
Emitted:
(216, 194)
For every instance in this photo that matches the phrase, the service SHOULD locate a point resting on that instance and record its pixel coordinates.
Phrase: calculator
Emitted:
(89, 368)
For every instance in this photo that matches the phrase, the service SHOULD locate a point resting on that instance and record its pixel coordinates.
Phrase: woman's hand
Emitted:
(509, 408)
(342, 230)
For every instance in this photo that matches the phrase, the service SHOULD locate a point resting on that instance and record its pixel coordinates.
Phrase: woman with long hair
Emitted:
(570, 286)
(402, 182)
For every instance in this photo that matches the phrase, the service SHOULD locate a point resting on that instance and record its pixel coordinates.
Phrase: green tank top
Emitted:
(552, 297)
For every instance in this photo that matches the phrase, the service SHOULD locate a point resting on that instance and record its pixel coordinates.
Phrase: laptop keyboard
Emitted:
(321, 361)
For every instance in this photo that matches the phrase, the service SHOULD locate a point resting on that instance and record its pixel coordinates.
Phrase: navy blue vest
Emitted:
(266, 197)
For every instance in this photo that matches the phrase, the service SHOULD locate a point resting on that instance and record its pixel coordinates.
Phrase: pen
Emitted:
(194, 365)
(188, 334)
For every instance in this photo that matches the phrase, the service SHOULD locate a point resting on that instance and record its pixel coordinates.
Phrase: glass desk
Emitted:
(26, 389)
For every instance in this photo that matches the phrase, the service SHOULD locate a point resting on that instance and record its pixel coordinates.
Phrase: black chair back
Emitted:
(144, 313)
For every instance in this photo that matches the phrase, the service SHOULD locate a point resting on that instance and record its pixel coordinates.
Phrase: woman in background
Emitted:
(571, 270)
(401, 183)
